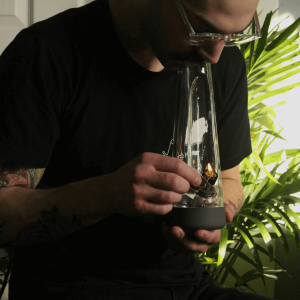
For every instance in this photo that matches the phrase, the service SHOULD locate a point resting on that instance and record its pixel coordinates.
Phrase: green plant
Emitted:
(268, 194)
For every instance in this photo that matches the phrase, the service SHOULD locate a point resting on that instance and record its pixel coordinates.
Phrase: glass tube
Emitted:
(196, 143)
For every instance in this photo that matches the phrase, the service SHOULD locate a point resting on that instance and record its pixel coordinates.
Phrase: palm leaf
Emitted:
(268, 61)
(288, 189)
(261, 109)
(269, 51)
(264, 251)
(243, 257)
(265, 234)
(233, 272)
(282, 179)
(290, 213)
(222, 246)
(279, 232)
(277, 59)
(250, 276)
(270, 83)
(263, 40)
(273, 93)
(272, 157)
(250, 242)
(259, 162)
(258, 189)
(283, 36)
(287, 220)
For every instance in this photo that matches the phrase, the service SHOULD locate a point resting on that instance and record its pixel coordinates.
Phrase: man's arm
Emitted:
(13, 175)
(29, 216)
(149, 184)
(233, 193)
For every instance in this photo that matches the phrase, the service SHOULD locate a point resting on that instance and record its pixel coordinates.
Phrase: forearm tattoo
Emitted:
(13, 175)
(237, 206)
(49, 228)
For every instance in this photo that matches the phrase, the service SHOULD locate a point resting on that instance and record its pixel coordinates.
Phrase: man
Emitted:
(87, 103)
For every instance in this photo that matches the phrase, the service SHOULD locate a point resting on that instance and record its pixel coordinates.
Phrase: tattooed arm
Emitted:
(29, 216)
(13, 175)
(148, 184)
(233, 193)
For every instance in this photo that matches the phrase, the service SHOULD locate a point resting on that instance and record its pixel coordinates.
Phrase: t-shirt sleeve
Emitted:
(233, 121)
(31, 95)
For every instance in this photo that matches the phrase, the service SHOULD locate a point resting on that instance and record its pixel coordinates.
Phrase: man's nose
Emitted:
(211, 52)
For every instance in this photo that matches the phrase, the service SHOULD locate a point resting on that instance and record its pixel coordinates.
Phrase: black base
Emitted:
(194, 218)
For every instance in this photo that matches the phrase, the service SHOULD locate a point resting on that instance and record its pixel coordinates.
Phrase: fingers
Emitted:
(169, 182)
(229, 211)
(148, 208)
(183, 242)
(172, 165)
(150, 183)
(166, 173)
(154, 195)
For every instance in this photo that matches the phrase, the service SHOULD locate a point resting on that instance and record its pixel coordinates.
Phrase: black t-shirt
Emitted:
(74, 102)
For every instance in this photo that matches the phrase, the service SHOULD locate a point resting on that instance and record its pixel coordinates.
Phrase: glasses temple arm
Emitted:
(257, 25)
(185, 18)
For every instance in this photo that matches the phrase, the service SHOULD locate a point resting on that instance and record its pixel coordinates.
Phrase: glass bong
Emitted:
(195, 141)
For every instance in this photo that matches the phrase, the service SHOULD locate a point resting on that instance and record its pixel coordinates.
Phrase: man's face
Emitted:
(168, 35)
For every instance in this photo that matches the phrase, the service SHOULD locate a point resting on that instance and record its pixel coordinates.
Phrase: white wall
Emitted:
(264, 7)
(287, 115)
(292, 7)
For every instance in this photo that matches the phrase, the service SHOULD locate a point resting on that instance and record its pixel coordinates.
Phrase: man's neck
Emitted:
(128, 22)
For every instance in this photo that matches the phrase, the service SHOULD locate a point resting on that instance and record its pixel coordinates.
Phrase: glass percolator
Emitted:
(195, 141)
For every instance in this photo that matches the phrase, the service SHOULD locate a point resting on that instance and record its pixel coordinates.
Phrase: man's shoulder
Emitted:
(76, 35)
(73, 23)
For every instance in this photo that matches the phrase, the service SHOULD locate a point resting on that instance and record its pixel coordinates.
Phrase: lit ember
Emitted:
(210, 175)
(209, 172)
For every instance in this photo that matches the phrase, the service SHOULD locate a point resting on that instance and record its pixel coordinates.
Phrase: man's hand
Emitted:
(149, 184)
(230, 212)
(233, 193)
(198, 241)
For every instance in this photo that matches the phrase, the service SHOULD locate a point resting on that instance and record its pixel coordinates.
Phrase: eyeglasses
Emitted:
(232, 39)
